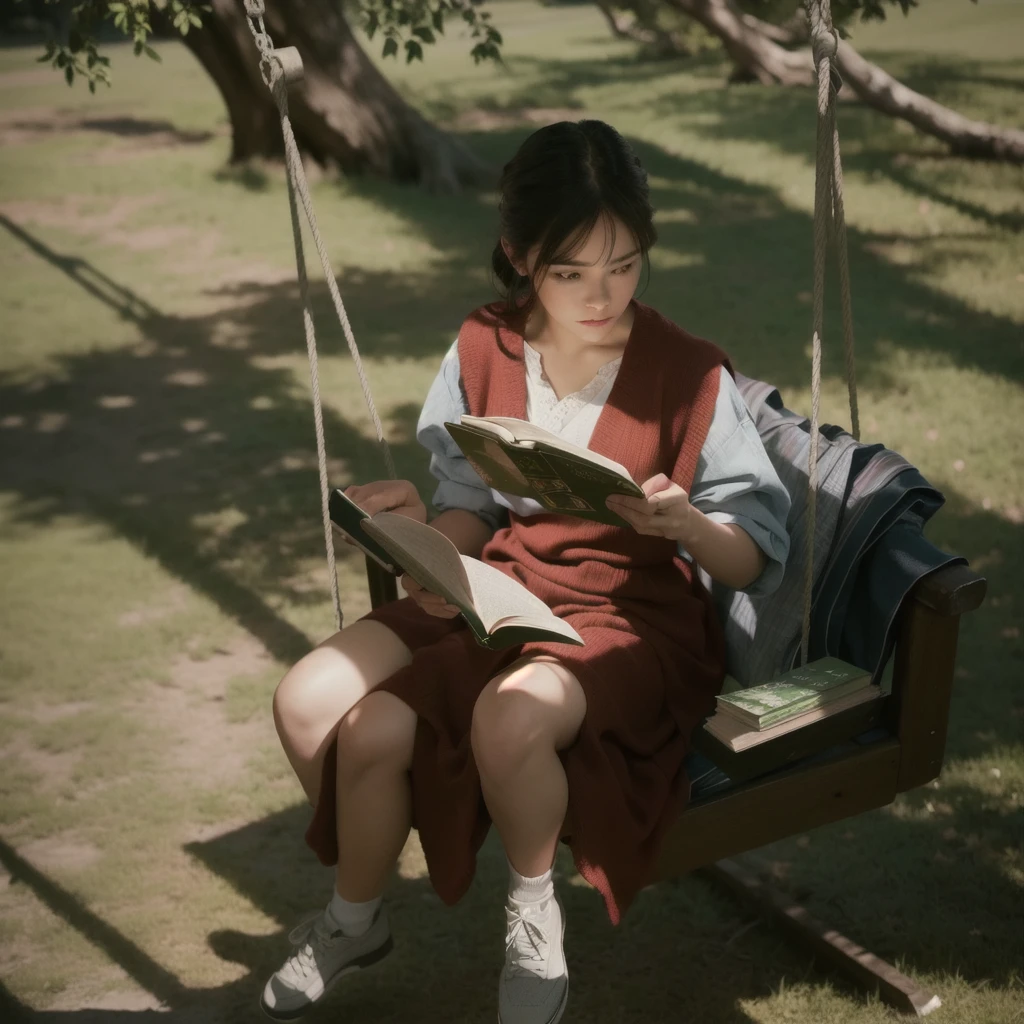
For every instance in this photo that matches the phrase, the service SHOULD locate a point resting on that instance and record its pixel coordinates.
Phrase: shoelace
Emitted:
(525, 944)
(309, 939)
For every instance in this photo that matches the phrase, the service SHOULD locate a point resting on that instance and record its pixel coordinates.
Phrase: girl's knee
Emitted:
(508, 724)
(320, 689)
(378, 733)
(306, 695)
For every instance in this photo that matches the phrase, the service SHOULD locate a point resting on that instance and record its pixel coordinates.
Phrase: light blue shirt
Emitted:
(734, 481)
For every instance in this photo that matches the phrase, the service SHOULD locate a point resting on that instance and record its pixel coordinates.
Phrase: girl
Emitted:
(401, 719)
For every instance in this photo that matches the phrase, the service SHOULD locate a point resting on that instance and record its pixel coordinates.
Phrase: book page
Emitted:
(501, 600)
(428, 556)
(512, 429)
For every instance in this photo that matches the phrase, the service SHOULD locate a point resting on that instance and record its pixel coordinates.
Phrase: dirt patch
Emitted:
(62, 852)
(23, 127)
(174, 601)
(79, 999)
(204, 748)
(52, 768)
(55, 712)
(27, 79)
(111, 226)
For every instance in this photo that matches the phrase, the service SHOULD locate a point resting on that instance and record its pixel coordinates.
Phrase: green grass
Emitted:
(160, 544)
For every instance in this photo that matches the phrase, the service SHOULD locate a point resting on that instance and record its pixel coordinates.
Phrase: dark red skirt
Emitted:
(645, 696)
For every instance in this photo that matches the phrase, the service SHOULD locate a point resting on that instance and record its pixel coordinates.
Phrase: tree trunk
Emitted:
(747, 41)
(344, 113)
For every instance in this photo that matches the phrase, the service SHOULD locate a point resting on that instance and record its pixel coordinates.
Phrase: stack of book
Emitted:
(746, 718)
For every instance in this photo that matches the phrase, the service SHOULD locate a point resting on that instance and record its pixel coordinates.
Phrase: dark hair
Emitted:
(563, 179)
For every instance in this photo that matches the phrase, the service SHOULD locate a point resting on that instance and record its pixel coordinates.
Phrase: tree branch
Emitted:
(752, 45)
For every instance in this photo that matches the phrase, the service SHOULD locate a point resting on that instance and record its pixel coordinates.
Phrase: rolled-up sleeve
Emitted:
(458, 486)
(735, 482)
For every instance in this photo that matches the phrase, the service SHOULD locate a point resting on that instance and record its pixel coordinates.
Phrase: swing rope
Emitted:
(278, 67)
(829, 220)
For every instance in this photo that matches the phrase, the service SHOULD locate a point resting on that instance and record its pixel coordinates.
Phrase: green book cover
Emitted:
(794, 692)
(574, 483)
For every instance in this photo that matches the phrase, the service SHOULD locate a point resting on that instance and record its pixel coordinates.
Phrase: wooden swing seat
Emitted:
(825, 772)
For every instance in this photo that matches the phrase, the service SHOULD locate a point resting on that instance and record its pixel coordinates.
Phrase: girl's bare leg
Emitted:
(321, 689)
(374, 802)
(521, 720)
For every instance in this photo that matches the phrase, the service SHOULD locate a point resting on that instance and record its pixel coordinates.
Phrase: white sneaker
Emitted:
(534, 985)
(321, 957)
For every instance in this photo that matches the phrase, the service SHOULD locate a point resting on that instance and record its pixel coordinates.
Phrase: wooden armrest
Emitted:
(951, 591)
(383, 586)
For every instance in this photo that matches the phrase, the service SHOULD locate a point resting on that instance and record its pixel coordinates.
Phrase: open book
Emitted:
(520, 458)
(499, 610)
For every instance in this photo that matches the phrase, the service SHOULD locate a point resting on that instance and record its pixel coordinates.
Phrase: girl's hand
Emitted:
(432, 604)
(398, 496)
(665, 512)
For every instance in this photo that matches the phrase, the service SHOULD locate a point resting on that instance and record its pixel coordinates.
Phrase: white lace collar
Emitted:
(545, 408)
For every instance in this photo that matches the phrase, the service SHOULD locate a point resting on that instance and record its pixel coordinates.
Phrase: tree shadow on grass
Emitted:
(872, 143)
(192, 447)
(156, 439)
(734, 263)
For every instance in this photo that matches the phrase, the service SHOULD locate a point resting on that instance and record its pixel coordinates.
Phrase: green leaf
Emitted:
(69, 74)
(390, 46)
(424, 33)
(438, 20)
(413, 51)
(152, 54)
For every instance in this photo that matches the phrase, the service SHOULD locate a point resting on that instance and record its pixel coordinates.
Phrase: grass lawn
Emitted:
(161, 549)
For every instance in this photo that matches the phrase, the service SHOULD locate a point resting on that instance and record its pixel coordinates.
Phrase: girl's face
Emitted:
(585, 299)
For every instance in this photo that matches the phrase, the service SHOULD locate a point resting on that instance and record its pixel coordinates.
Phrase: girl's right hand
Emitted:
(399, 496)
(432, 604)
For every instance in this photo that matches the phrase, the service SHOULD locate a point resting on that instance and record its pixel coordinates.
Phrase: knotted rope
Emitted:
(278, 67)
(829, 218)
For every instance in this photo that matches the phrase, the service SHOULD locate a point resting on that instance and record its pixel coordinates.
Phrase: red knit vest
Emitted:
(656, 419)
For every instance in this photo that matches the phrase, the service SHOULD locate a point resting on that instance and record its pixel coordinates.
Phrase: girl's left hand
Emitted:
(666, 511)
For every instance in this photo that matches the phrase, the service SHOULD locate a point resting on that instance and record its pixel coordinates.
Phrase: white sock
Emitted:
(353, 919)
(530, 890)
